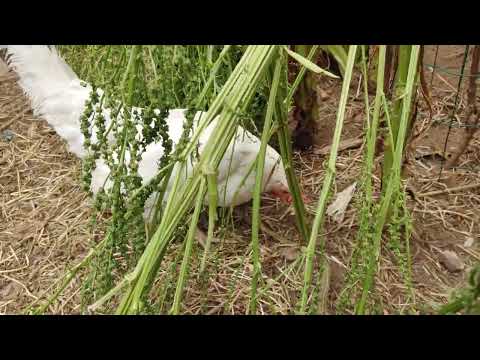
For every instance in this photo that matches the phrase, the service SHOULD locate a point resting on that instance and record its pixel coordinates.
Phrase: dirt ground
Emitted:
(44, 212)
(44, 227)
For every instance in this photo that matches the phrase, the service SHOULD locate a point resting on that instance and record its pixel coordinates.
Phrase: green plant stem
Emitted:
(212, 214)
(285, 143)
(259, 186)
(188, 251)
(393, 183)
(400, 81)
(322, 202)
(340, 56)
(212, 75)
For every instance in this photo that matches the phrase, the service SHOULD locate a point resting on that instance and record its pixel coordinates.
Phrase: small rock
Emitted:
(270, 282)
(7, 135)
(451, 261)
(323, 95)
(289, 253)
(468, 242)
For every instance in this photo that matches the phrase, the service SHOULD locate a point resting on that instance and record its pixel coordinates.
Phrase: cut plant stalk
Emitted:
(322, 202)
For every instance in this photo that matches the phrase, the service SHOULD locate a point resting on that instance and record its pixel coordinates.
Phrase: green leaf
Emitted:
(340, 55)
(308, 64)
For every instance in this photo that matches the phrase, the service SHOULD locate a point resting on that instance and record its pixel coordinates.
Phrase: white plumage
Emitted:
(57, 95)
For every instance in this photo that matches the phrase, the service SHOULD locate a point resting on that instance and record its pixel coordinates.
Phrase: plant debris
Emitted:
(451, 261)
(339, 206)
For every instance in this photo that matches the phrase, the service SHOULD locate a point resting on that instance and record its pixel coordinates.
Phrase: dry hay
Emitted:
(45, 226)
(44, 213)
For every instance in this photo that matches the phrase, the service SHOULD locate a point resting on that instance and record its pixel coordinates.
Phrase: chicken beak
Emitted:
(284, 195)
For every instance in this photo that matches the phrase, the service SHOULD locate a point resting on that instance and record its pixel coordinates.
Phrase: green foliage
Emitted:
(234, 82)
(151, 77)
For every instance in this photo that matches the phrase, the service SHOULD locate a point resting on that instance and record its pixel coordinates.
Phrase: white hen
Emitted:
(57, 95)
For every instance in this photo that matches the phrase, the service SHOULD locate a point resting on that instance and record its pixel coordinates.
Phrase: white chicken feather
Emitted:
(58, 96)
